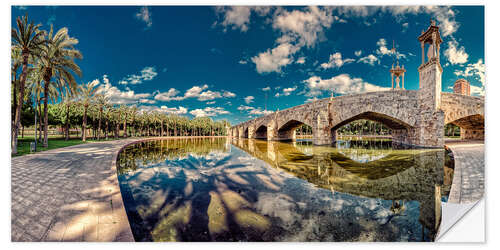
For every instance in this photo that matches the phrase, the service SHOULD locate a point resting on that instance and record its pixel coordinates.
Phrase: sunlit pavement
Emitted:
(468, 179)
(69, 194)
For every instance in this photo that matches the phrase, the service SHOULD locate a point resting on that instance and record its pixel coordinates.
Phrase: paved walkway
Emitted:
(68, 194)
(468, 177)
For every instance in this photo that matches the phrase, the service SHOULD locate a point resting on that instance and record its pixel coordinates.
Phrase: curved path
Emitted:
(468, 177)
(69, 194)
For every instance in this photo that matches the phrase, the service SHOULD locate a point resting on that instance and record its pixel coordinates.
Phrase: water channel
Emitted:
(223, 189)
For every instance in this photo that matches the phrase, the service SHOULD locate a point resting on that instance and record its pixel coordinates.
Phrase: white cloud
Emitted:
(117, 96)
(238, 17)
(170, 95)
(273, 60)
(405, 27)
(211, 102)
(476, 70)
(477, 91)
(335, 61)
(228, 94)
(286, 92)
(243, 107)
(383, 50)
(382, 47)
(301, 60)
(242, 62)
(199, 92)
(304, 26)
(358, 53)
(444, 15)
(195, 91)
(259, 111)
(369, 59)
(266, 88)
(164, 109)
(147, 74)
(454, 54)
(209, 95)
(144, 15)
(208, 111)
(254, 111)
(313, 99)
(249, 99)
(340, 84)
(299, 28)
(148, 101)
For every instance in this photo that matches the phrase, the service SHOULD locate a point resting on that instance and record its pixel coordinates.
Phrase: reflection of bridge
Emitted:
(416, 117)
(417, 177)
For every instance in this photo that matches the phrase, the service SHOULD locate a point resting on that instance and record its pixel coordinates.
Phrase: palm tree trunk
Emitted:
(40, 126)
(117, 129)
(67, 122)
(19, 103)
(99, 126)
(84, 126)
(107, 128)
(46, 113)
(125, 127)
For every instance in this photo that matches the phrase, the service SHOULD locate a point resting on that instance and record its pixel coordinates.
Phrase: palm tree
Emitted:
(102, 101)
(16, 61)
(133, 114)
(57, 59)
(29, 39)
(87, 93)
(35, 90)
(124, 110)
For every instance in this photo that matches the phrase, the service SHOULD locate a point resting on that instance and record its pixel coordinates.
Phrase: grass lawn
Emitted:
(55, 141)
(23, 146)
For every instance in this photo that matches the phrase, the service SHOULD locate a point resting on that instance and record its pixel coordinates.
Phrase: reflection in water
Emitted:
(220, 189)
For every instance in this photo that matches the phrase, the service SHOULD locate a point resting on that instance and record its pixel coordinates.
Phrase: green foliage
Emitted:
(364, 127)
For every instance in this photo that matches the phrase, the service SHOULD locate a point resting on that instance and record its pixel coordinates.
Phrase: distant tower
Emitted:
(461, 87)
(398, 72)
(430, 71)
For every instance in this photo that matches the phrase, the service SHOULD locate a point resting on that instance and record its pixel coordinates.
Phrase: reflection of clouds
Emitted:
(259, 196)
(363, 155)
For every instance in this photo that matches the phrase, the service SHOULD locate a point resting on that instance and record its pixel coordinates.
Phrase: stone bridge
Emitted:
(415, 117)
(400, 110)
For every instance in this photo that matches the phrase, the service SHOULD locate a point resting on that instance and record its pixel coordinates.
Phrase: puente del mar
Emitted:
(415, 117)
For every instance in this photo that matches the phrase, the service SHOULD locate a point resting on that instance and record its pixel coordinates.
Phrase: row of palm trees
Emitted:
(98, 118)
(43, 69)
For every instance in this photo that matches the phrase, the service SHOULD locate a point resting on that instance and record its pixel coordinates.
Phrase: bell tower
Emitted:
(430, 71)
(429, 130)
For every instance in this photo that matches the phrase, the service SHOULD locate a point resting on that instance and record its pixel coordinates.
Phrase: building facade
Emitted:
(461, 87)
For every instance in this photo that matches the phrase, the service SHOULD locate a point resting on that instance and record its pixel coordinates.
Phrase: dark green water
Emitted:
(222, 189)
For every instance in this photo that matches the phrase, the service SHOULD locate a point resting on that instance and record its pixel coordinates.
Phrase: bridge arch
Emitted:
(245, 132)
(261, 132)
(466, 112)
(401, 130)
(389, 121)
(287, 130)
(471, 126)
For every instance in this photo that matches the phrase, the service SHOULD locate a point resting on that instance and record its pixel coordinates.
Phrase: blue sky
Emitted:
(221, 62)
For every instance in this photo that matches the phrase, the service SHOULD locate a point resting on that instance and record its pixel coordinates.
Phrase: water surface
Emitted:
(220, 189)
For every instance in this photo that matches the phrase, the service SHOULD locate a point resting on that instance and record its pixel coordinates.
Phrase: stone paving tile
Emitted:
(468, 179)
(68, 194)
